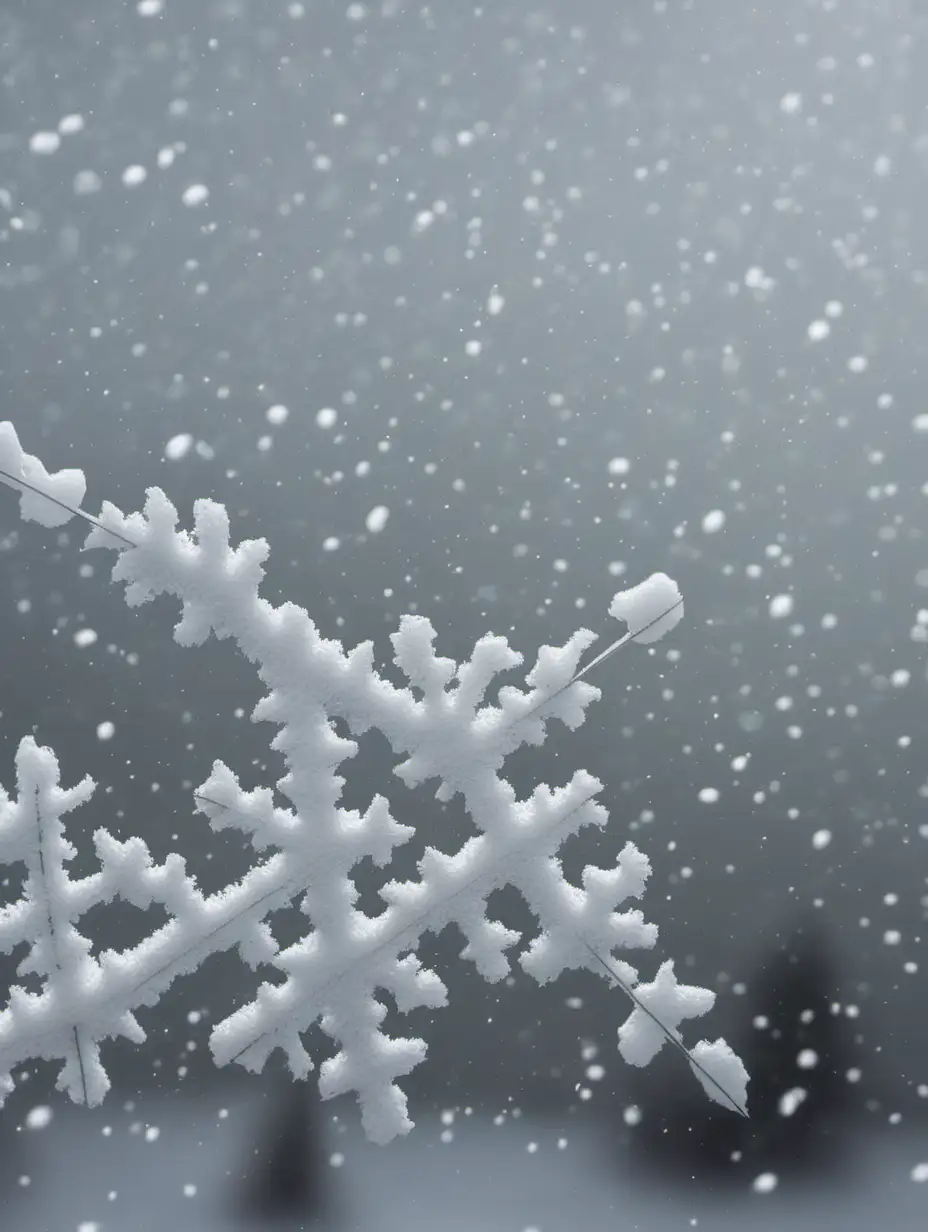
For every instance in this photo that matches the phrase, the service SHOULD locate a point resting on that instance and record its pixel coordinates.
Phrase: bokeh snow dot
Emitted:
(178, 446)
(765, 1183)
(44, 143)
(376, 520)
(38, 1117)
(713, 521)
(196, 194)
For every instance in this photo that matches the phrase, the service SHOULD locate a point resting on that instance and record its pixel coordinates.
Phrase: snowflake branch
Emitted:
(444, 732)
(671, 1036)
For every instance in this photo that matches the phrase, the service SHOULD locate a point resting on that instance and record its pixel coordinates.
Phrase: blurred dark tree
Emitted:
(285, 1180)
(797, 1053)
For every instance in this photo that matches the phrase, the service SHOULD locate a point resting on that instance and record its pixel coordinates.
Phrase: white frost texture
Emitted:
(441, 730)
(650, 609)
(25, 473)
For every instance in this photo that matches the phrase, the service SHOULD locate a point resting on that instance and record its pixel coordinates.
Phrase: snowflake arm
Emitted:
(84, 999)
(441, 729)
(66, 1021)
(48, 499)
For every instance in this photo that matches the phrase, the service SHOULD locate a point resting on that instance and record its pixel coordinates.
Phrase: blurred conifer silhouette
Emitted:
(797, 1052)
(285, 1179)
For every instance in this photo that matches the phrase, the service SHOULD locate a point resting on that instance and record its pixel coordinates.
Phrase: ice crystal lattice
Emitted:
(443, 730)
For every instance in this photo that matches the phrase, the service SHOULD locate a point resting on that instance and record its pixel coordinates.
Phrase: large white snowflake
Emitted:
(440, 727)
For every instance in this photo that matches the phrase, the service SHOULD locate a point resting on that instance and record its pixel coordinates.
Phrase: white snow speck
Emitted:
(69, 124)
(150, 8)
(38, 1117)
(818, 330)
(791, 104)
(920, 423)
(619, 466)
(757, 280)
(87, 182)
(821, 839)
(106, 730)
(790, 1100)
(708, 795)
(713, 521)
(134, 175)
(376, 520)
(178, 446)
(920, 1173)
(276, 414)
(765, 1183)
(781, 606)
(495, 303)
(85, 637)
(327, 417)
(196, 194)
(44, 143)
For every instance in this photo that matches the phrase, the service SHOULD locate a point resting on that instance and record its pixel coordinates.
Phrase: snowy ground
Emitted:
(170, 1164)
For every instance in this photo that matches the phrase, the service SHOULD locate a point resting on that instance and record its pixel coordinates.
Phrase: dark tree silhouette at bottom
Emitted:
(285, 1180)
(797, 1053)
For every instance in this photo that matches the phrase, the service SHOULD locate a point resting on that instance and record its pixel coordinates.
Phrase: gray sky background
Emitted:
(572, 279)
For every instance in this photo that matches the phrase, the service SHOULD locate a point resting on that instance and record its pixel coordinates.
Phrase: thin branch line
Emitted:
(674, 1039)
(77, 513)
(52, 934)
(600, 658)
(282, 888)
